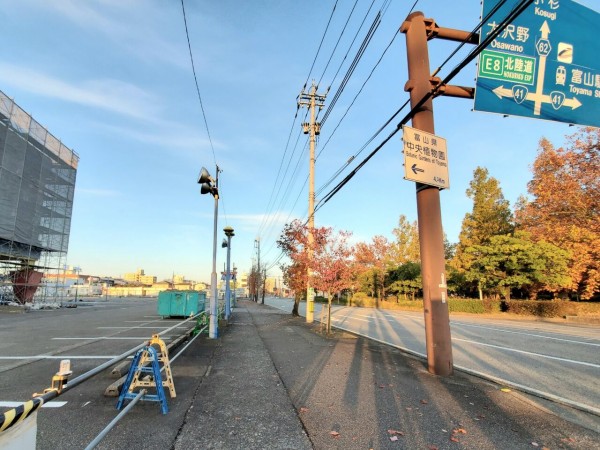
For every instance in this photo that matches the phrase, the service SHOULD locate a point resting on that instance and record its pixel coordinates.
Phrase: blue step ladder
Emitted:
(145, 355)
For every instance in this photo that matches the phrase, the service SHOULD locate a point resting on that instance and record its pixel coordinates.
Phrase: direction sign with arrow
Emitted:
(543, 65)
(425, 158)
(415, 169)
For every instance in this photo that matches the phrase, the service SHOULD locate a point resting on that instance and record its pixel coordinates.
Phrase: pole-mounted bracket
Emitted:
(433, 30)
(449, 90)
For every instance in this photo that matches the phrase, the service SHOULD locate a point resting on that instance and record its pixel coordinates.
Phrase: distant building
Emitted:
(140, 277)
(37, 186)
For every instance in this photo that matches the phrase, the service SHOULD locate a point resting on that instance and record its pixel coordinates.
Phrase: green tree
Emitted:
(491, 216)
(406, 247)
(506, 262)
(564, 206)
(406, 279)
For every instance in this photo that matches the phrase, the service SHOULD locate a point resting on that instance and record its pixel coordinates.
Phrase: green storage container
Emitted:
(180, 303)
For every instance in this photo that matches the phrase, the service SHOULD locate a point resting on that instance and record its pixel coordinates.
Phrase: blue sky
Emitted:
(113, 80)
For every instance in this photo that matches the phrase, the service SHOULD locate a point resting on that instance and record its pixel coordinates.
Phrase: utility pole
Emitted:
(264, 285)
(437, 320)
(258, 276)
(311, 100)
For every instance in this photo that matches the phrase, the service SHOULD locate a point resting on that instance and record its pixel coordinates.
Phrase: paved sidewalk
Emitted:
(275, 382)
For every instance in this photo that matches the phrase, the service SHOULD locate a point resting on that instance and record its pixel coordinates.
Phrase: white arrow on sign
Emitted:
(521, 93)
(501, 92)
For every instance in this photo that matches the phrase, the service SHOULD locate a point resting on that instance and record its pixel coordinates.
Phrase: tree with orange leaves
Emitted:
(564, 206)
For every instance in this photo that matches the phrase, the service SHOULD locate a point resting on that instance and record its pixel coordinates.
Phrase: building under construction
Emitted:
(37, 184)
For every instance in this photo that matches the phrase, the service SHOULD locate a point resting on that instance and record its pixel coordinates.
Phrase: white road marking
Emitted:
(133, 328)
(143, 338)
(349, 317)
(526, 334)
(7, 404)
(58, 357)
(529, 353)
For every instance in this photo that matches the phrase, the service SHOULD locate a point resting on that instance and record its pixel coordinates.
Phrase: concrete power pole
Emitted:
(418, 31)
(311, 100)
(258, 276)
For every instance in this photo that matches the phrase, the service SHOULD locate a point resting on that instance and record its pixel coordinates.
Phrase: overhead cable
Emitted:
(472, 55)
(196, 81)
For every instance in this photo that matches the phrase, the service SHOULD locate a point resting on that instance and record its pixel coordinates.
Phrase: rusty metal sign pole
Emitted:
(437, 319)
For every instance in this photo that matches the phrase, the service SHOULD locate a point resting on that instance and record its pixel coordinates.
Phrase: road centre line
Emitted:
(597, 366)
(525, 334)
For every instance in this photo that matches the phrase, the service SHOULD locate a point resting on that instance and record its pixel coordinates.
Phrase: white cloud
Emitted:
(111, 95)
(113, 20)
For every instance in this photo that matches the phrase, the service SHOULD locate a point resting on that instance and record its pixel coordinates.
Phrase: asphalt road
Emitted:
(32, 345)
(558, 360)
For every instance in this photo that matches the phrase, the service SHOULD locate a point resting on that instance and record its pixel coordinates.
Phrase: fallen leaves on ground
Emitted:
(395, 432)
(505, 390)
(335, 434)
(424, 402)
(455, 432)
(303, 410)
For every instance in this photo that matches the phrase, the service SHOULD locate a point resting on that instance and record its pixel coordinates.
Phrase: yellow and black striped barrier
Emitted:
(20, 413)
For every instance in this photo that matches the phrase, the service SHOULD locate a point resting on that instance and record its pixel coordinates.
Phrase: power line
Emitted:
(269, 204)
(358, 93)
(321, 43)
(352, 158)
(352, 67)
(351, 45)
(489, 38)
(337, 43)
(196, 81)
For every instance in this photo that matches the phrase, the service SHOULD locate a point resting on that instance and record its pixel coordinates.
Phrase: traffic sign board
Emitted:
(544, 65)
(425, 158)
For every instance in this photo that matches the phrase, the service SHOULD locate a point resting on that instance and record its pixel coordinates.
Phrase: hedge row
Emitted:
(538, 308)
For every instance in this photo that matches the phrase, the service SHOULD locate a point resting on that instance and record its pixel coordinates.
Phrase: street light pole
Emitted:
(207, 187)
(229, 233)
(234, 285)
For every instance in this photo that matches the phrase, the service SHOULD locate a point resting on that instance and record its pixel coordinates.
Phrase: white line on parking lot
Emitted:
(143, 338)
(132, 328)
(58, 357)
(6, 404)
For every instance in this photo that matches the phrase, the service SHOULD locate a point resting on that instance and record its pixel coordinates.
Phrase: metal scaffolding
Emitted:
(37, 185)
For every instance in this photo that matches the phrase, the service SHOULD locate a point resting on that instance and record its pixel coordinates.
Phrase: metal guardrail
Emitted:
(21, 412)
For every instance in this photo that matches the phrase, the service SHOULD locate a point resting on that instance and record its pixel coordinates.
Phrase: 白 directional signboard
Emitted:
(544, 65)
(425, 158)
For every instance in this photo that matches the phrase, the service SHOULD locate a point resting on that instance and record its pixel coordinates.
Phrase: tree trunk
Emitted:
(328, 313)
(480, 291)
(296, 304)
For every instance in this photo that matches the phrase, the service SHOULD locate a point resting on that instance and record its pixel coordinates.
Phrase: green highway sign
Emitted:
(507, 67)
(544, 65)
